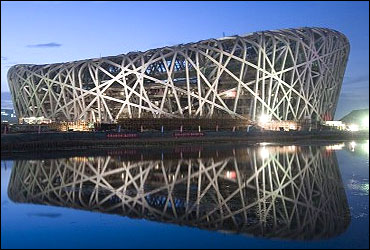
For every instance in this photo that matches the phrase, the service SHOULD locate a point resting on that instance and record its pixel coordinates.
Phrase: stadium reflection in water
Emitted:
(290, 192)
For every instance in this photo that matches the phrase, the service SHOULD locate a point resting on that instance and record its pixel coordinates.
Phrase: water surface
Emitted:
(260, 196)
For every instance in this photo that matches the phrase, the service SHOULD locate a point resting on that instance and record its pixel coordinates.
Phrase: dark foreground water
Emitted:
(261, 196)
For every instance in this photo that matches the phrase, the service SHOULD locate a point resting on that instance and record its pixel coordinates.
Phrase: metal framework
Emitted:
(289, 74)
(286, 192)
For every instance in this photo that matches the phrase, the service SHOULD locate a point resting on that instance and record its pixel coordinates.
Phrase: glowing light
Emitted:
(264, 153)
(292, 126)
(230, 93)
(365, 122)
(365, 147)
(335, 147)
(264, 118)
(231, 174)
(353, 127)
(352, 146)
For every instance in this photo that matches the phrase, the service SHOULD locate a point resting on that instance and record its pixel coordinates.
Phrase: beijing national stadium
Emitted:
(286, 75)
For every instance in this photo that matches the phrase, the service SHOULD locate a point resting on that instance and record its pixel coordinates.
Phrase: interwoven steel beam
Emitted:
(289, 74)
(286, 192)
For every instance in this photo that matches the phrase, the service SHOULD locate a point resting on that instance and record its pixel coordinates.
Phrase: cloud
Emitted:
(3, 58)
(8, 64)
(44, 45)
(48, 215)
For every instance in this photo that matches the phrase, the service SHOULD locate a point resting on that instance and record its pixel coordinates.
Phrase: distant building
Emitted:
(279, 75)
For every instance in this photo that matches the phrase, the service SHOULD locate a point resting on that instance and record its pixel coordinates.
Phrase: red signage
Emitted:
(117, 136)
(188, 134)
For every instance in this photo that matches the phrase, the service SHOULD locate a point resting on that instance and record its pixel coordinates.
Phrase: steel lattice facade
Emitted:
(289, 74)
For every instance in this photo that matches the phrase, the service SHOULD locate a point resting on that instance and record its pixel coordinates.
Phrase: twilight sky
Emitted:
(50, 32)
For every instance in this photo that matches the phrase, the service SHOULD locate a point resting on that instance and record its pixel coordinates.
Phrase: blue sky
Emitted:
(49, 32)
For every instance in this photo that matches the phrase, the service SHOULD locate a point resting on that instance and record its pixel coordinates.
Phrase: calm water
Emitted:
(307, 196)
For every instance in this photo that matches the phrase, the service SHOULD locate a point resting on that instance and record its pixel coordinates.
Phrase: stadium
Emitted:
(280, 75)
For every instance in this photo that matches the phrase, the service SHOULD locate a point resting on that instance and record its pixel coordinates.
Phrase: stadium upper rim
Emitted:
(278, 32)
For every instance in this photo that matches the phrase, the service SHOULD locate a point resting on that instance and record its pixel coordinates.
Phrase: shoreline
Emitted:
(34, 144)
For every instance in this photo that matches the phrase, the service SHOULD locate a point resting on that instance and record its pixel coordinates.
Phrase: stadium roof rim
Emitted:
(191, 43)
